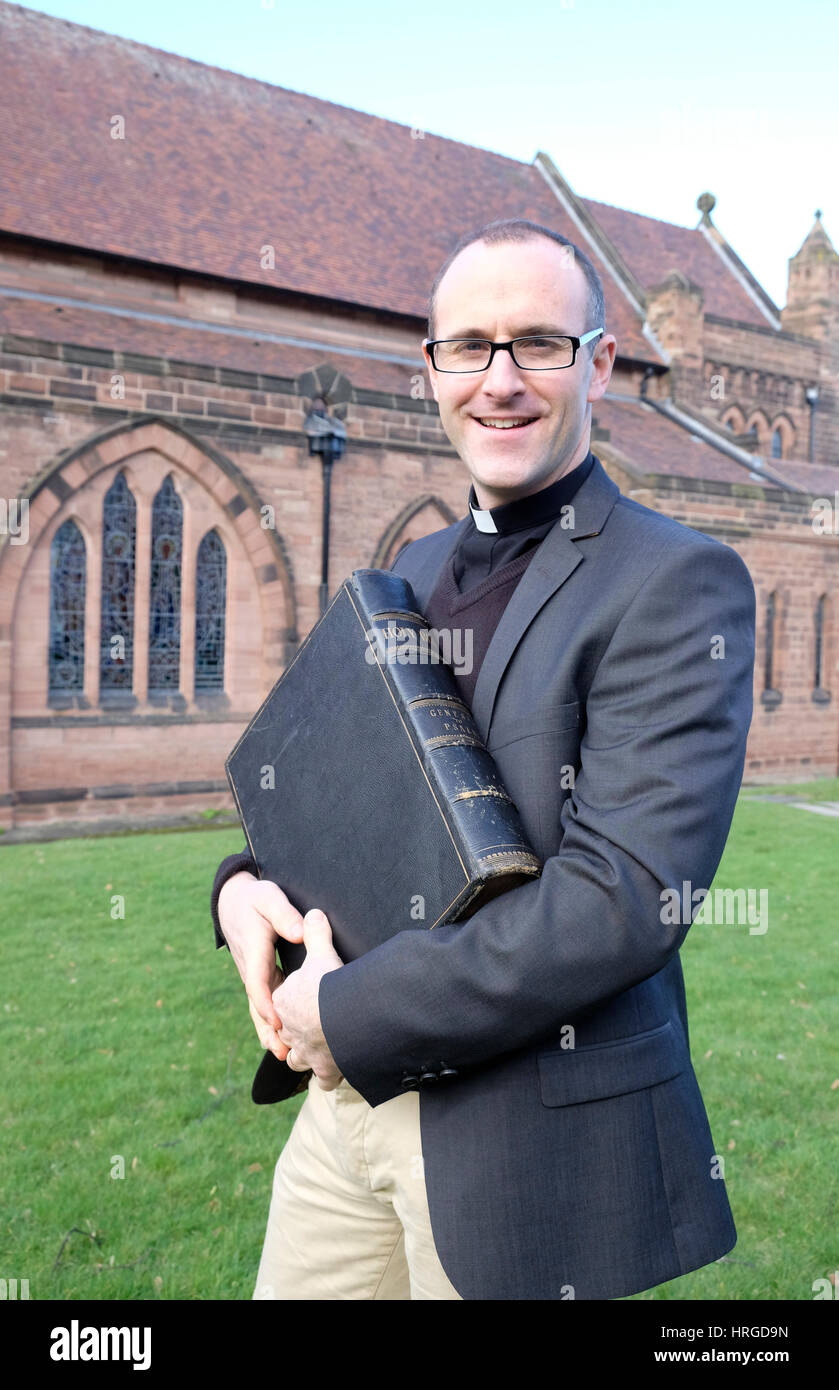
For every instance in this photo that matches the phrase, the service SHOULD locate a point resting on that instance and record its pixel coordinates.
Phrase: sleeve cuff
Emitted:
(233, 864)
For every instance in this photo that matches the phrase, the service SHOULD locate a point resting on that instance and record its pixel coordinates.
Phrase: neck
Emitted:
(488, 497)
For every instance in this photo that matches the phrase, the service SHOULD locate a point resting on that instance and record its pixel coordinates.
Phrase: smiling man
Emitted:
(505, 1108)
(518, 428)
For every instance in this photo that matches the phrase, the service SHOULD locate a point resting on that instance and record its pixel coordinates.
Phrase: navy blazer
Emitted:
(618, 721)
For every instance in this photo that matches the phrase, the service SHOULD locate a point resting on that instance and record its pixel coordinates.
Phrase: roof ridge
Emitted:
(663, 221)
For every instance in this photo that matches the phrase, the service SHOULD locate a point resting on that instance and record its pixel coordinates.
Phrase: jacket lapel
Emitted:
(555, 559)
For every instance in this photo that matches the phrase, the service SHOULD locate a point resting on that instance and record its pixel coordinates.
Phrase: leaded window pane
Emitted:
(210, 603)
(68, 580)
(119, 538)
(165, 593)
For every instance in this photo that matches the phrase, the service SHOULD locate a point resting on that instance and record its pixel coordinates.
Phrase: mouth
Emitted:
(505, 424)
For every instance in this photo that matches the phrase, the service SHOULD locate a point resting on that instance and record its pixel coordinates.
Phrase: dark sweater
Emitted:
(476, 613)
(472, 591)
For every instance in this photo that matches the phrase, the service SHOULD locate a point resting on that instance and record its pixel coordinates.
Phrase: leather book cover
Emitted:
(364, 787)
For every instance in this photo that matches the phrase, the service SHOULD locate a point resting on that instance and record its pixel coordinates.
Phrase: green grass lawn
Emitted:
(127, 1046)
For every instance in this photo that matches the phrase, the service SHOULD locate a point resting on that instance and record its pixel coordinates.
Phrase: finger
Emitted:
(267, 1037)
(260, 994)
(274, 906)
(317, 934)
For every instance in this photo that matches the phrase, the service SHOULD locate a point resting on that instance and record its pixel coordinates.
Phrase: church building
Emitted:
(190, 260)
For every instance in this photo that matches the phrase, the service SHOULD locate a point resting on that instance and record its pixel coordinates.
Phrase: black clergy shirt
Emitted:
(476, 583)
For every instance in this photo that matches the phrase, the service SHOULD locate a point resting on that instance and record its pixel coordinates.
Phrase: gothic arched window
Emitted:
(116, 643)
(68, 583)
(777, 444)
(210, 603)
(165, 591)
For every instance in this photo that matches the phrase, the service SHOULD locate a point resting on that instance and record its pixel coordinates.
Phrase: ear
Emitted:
(601, 366)
(432, 375)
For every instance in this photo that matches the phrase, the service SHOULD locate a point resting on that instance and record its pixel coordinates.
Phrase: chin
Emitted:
(499, 473)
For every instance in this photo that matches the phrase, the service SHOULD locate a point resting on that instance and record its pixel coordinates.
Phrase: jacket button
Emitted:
(409, 1080)
(447, 1071)
(428, 1075)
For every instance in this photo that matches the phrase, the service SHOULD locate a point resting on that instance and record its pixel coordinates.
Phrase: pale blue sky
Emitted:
(644, 105)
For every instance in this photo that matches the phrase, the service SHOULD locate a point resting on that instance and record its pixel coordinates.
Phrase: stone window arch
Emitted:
(757, 426)
(173, 751)
(782, 438)
(420, 517)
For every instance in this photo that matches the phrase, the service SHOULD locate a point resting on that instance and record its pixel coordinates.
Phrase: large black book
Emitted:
(365, 789)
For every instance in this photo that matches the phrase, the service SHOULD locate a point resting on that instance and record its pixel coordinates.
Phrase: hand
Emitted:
(253, 913)
(297, 1001)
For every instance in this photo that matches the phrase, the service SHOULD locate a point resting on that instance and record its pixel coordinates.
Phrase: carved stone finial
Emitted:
(818, 214)
(706, 202)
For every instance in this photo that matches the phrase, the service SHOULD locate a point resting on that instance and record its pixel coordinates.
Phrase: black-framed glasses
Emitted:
(536, 353)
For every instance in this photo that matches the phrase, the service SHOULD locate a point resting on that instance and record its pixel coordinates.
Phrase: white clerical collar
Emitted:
(483, 520)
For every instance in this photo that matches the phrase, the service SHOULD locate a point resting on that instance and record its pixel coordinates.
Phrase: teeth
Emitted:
(505, 424)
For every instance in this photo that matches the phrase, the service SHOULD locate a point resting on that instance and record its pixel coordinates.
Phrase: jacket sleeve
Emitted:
(233, 864)
(661, 760)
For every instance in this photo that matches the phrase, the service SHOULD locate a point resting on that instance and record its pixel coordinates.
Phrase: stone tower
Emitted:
(813, 290)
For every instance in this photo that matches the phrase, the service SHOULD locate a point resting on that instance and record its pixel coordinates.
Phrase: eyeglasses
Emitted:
(543, 354)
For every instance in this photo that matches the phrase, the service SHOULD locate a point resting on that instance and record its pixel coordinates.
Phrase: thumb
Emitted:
(317, 934)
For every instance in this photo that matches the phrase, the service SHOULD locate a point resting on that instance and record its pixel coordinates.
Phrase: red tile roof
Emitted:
(651, 443)
(652, 249)
(214, 166)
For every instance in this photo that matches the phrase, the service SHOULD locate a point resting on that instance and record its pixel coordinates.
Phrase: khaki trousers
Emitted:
(349, 1212)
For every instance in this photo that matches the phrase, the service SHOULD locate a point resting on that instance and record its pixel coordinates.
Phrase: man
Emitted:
(530, 1064)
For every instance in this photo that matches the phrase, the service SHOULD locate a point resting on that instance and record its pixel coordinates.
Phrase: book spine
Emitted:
(480, 814)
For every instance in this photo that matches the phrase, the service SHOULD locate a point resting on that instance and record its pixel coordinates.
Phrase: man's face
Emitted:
(508, 291)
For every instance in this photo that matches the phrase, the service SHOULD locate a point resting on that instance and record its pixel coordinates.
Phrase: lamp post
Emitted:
(327, 437)
(812, 394)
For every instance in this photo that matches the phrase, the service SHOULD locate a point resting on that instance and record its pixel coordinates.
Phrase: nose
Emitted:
(502, 377)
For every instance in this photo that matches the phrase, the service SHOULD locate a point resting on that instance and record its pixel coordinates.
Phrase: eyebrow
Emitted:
(550, 329)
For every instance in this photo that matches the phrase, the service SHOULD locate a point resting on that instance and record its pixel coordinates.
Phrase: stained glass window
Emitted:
(165, 592)
(210, 601)
(68, 579)
(119, 532)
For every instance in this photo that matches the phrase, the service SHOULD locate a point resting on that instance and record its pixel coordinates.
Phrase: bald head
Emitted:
(569, 260)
